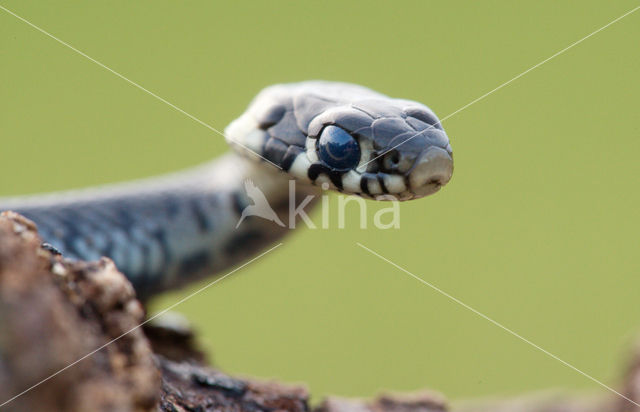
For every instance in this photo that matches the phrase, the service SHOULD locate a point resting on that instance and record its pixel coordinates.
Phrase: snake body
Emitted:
(170, 230)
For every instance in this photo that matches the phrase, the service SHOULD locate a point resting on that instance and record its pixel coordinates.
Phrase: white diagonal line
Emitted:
(162, 312)
(510, 81)
(149, 92)
(496, 323)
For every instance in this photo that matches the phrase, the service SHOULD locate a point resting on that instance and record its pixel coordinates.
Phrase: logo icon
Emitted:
(260, 206)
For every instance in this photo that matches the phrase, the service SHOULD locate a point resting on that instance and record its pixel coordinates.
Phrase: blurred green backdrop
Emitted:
(538, 228)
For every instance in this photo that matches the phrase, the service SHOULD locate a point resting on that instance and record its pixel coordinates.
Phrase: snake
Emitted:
(293, 142)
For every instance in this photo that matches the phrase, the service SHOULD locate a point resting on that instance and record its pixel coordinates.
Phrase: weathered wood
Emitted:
(54, 312)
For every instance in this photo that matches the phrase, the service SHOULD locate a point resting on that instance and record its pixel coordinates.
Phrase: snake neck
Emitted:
(169, 231)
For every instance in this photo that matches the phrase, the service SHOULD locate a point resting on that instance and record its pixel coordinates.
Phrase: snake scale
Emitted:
(166, 231)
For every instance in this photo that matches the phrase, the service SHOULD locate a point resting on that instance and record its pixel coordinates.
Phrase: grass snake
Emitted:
(166, 231)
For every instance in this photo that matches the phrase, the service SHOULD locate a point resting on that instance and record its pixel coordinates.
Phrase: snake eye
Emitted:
(338, 149)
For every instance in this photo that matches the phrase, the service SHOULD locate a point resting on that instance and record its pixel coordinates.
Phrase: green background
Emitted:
(538, 228)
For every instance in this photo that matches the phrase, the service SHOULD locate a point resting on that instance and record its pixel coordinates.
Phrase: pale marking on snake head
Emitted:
(359, 141)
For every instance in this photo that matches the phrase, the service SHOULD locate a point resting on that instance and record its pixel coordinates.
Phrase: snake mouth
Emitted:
(430, 172)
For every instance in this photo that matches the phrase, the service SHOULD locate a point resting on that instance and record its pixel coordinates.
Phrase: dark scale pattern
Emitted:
(334, 175)
(364, 183)
(307, 106)
(290, 156)
(292, 113)
(422, 115)
(347, 118)
(197, 209)
(287, 130)
(285, 138)
(142, 232)
(275, 150)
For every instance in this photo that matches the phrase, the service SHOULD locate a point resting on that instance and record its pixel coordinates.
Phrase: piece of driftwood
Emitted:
(70, 340)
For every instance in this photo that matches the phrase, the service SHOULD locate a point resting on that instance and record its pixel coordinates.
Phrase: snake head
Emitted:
(347, 138)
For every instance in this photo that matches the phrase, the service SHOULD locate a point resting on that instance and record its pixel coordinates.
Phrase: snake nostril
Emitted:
(396, 162)
(391, 160)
